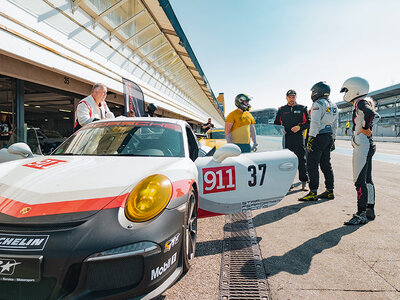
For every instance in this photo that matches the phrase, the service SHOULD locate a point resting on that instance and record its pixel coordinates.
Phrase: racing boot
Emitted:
(370, 213)
(311, 196)
(328, 194)
(357, 219)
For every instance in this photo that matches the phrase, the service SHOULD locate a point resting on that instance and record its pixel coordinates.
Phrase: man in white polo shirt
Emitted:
(93, 107)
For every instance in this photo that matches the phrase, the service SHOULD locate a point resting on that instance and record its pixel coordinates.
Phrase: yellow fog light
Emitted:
(148, 198)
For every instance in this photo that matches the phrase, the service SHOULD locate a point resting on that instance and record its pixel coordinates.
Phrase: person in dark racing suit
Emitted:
(151, 108)
(321, 138)
(364, 117)
(295, 119)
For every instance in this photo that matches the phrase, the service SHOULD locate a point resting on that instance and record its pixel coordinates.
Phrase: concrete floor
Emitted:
(307, 252)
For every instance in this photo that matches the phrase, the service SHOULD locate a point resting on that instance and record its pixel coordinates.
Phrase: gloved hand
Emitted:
(333, 146)
(310, 143)
(254, 149)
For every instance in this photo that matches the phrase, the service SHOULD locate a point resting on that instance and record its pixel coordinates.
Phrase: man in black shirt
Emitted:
(295, 119)
(5, 130)
(207, 126)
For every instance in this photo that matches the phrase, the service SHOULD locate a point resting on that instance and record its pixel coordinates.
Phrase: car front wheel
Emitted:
(190, 233)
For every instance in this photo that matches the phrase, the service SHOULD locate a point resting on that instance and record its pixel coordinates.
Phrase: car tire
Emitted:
(190, 231)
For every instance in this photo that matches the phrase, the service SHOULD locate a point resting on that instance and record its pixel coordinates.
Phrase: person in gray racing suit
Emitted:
(321, 138)
(364, 117)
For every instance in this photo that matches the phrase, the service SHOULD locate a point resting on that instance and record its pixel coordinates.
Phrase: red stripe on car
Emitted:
(19, 209)
(15, 208)
(181, 187)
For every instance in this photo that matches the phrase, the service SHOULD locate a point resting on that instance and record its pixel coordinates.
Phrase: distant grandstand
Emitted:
(264, 116)
(387, 103)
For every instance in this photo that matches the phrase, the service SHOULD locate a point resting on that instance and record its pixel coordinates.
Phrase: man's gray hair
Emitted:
(96, 86)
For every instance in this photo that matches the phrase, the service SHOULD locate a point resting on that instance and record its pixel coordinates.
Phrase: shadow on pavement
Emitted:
(275, 215)
(215, 246)
(298, 260)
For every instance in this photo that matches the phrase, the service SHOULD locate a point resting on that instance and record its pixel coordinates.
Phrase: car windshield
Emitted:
(217, 135)
(51, 134)
(126, 138)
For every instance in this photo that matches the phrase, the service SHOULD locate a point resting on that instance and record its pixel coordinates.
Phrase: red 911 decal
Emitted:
(44, 164)
(219, 179)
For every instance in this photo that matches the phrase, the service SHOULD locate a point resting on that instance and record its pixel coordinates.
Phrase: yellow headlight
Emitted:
(148, 198)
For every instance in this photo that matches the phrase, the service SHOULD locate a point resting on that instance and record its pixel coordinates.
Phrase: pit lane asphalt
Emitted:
(307, 251)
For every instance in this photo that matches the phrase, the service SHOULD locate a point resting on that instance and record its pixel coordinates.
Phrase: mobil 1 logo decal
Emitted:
(22, 242)
(219, 179)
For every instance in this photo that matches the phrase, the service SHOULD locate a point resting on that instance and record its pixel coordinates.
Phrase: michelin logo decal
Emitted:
(160, 270)
(23, 242)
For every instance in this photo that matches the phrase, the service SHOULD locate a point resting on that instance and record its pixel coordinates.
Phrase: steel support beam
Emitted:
(156, 49)
(108, 10)
(137, 33)
(21, 137)
(127, 22)
(148, 41)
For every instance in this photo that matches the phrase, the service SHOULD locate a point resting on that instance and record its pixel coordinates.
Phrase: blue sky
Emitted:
(265, 47)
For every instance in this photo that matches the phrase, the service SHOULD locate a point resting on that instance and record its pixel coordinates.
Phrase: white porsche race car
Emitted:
(112, 213)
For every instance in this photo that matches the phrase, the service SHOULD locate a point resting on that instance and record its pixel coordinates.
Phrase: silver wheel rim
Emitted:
(191, 228)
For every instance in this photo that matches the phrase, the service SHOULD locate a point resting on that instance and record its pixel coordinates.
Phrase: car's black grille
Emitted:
(114, 273)
(22, 290)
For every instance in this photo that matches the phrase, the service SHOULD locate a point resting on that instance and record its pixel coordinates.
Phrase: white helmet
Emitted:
(354, 87)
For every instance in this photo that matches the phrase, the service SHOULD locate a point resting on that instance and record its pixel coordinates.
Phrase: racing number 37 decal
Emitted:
(253, 173)
(219, 179)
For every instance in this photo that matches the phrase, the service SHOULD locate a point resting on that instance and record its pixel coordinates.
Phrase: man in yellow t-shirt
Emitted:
(239, 125)
(347, 127)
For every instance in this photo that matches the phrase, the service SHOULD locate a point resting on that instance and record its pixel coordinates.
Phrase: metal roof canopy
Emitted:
(151, 30)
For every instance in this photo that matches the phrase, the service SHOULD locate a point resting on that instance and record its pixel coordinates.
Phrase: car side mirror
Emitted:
(21, 149)
(225, 151)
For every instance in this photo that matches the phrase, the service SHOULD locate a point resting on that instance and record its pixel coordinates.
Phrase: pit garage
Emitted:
(47, 113)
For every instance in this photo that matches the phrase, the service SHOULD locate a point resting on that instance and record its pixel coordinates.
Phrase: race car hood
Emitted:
(70, 187)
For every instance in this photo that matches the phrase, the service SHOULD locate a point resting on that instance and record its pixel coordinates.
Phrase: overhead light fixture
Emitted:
(64, 110)
(37, 106)
(26, 104)
(46, 120)
(116, 106)
(66, 118)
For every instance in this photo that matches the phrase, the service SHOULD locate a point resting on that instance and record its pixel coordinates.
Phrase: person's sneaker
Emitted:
(370, 213)
(311, 196)
(357, 219)
(327, 195)
(304, 185)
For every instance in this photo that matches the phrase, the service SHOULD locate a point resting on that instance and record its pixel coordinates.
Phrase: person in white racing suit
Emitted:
(93, 107)
(321, 139)
(355, 90)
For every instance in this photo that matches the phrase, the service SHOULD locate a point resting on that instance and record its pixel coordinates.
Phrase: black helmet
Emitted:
(239, 102)
(320, 90)
(151, 107)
